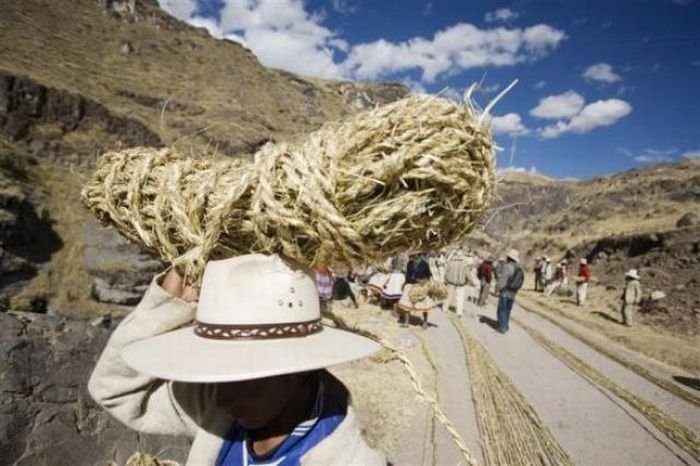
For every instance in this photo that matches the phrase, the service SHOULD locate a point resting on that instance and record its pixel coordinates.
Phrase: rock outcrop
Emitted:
(46, 414)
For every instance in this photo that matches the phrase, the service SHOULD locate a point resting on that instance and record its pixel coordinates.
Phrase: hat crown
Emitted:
(256, 289)
(513, 254)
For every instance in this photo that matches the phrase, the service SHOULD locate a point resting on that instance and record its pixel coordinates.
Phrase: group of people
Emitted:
(466, 276)
(549, 278)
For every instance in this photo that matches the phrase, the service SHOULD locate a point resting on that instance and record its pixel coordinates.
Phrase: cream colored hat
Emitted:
(256, 317)
(584, 261)
(632, 273)
(513, 254)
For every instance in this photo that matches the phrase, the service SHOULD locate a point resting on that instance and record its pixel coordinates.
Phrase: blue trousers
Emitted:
(505, 305)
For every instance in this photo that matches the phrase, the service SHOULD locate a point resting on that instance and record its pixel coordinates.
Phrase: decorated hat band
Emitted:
(257, 331)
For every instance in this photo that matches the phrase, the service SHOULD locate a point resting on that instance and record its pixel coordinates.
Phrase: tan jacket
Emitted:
(459, 271)
(633, 292)
(156, 406)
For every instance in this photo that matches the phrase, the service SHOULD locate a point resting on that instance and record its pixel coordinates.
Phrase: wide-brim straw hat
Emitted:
(632, 273)
(513, 254)
(257, 317)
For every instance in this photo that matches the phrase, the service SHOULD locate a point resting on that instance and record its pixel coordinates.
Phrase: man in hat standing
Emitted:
(247, 380)
(510, 280)
(584, 277)
(631, 296)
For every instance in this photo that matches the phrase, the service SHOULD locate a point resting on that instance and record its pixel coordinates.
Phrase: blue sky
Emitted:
(604, 86)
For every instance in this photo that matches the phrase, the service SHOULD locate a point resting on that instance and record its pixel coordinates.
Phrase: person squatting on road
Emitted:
(584, 277)
(247, 381)
(631, 296)
(558, 280)
(510, 280)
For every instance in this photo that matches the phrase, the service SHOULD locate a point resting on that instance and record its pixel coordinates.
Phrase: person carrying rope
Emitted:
(247, 381)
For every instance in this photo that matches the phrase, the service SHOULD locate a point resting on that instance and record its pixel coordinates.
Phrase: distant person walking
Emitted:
(485, 275)
(539, 265)
(584, 277)
(456, 277)
(547, 272)
(324, 285)
(631, 296)
(510, 280)
(437, 262)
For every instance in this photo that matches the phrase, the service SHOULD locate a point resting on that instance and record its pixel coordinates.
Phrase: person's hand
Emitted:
(174, 284)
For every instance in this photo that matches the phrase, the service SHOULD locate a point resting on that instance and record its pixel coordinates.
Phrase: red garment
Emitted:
(485, 272)
(585, 273)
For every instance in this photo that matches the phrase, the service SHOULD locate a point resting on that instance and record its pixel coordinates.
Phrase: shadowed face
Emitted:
(256, 403)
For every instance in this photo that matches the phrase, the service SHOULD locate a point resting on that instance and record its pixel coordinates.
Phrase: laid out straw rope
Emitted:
(411, 175)
(510, 429)
(416, 384)
(681, 435)
(615, 356)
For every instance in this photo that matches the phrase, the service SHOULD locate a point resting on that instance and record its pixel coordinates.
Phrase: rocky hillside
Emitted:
(77, 78)
(647, 218)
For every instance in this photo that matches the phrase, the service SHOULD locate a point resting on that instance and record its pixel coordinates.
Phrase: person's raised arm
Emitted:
(142, 402)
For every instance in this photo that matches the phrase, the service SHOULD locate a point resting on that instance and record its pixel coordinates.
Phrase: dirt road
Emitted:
(613, 417)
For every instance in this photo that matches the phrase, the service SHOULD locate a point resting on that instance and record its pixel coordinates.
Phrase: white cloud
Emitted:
(601, 72)
(283, 34)
(540, 84)
(682, 2)
(514, 169)
(505, 15)
(692, 155)
(456, 48)
(181, 9)
(597, 114)
(344, 7)
(655, 155)
(510, 124)
(490, 89)
(647, 158)
(555, 107)
(661, 152)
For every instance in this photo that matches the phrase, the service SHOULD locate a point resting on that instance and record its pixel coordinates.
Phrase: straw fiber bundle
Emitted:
(428, 289)
(414, 174)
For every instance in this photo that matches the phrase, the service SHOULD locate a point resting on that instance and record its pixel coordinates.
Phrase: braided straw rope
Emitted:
(511, 431)
(416, 384)
(615, 356)
(414, 174)
(681, 435)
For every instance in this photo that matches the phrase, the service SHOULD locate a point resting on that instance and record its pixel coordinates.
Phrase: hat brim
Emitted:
(183, 356)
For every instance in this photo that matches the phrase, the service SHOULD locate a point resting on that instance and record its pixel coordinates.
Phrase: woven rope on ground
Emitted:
(414, 174)
(511, 431)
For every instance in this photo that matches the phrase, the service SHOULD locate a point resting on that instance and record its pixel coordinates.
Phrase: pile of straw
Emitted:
(428, 289)
(413, 175)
